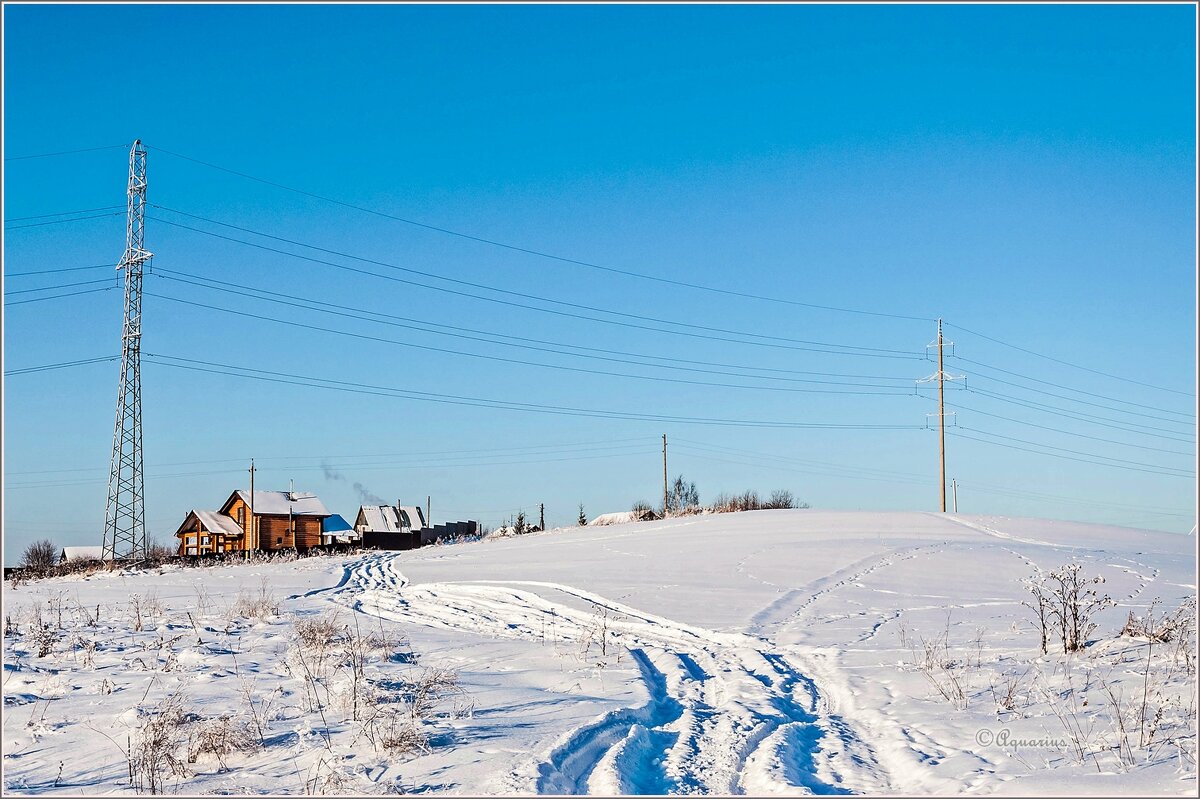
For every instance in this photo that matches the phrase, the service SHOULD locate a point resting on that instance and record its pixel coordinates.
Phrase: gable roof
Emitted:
(389, 519)
(212, 521)
(82, 553)
(279, 503)
(336, 525)
(217, 522)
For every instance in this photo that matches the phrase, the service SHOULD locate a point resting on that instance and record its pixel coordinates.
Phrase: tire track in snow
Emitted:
(724, 714)
(782, 613)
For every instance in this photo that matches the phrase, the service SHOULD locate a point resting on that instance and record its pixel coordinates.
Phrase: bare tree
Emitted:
(780, 499)
(40, 556)
(682, 498)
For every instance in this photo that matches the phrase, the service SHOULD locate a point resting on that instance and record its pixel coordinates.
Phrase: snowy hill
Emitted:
(758, 652)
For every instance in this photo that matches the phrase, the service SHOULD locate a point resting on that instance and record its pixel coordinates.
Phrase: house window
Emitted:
(242, 517)
(191, 550)
(204, 540)
(279, 540)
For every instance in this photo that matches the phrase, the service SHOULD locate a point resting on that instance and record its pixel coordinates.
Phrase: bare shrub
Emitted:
(220, 737)
(780, 500)
(259, 605)
(153, 752)
(317, 632)
(1179, 624)
(400, 734)
(430, 689)
(1066, 601)
(42, 635)
(158, 554)
(1007, 691)
(940, 668)
(642, 511)
(40, 556)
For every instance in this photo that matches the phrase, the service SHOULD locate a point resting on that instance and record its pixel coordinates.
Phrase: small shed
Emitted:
(70, 554)
(390, 526)
(336, 530)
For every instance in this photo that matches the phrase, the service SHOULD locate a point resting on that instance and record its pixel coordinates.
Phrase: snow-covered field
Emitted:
(759, 652)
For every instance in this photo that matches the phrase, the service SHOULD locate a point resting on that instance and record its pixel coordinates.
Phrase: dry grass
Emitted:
(220, 737)
(259, 605)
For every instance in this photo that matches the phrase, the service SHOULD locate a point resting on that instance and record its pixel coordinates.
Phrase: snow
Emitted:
(764, 652)
(217, 523)
(622, 517)
(82, 553)
(388, 519)
(280, 503)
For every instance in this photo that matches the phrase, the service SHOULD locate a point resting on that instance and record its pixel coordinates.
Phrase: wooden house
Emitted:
(269, 521)
(206, 532)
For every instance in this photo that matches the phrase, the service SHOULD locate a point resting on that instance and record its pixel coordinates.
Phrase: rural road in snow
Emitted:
(725, 712)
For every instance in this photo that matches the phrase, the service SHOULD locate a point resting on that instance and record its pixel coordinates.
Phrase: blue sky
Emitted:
(1026, 173)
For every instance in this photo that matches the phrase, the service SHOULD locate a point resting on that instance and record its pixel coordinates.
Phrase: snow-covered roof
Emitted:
(82, 553)
(389, 519)
(217, 522)
(278, 503)
(613, 518)
(336, 525)
(413, 516)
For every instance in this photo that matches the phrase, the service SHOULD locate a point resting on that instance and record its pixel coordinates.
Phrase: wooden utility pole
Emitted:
(251, 534)
(541, 515)
(941, 377)
(291, 502)
(664, 475)
(942, 414)
(428, 505)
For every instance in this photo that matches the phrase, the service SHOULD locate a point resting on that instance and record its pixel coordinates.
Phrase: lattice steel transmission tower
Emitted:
(125, 514)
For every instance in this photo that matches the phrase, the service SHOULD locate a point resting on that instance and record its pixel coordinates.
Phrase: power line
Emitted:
(358, 312)
(63, 213)
(631, 273)
(62, 365)
(491, 337)
(861, 473)
(1068, 388)
(406, 466)
(451, 399)
(983, 487)
(1043, 392)
(1130, 465)
(1072, 365)
(845, 348)
(542, 254)
(64, 286)
(58, 296)
(695, 452)
(1069, 433)
(501, 359)
(56, 271)
(62, 221)
(65, 152)
(1070, 413)
(574, 446)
